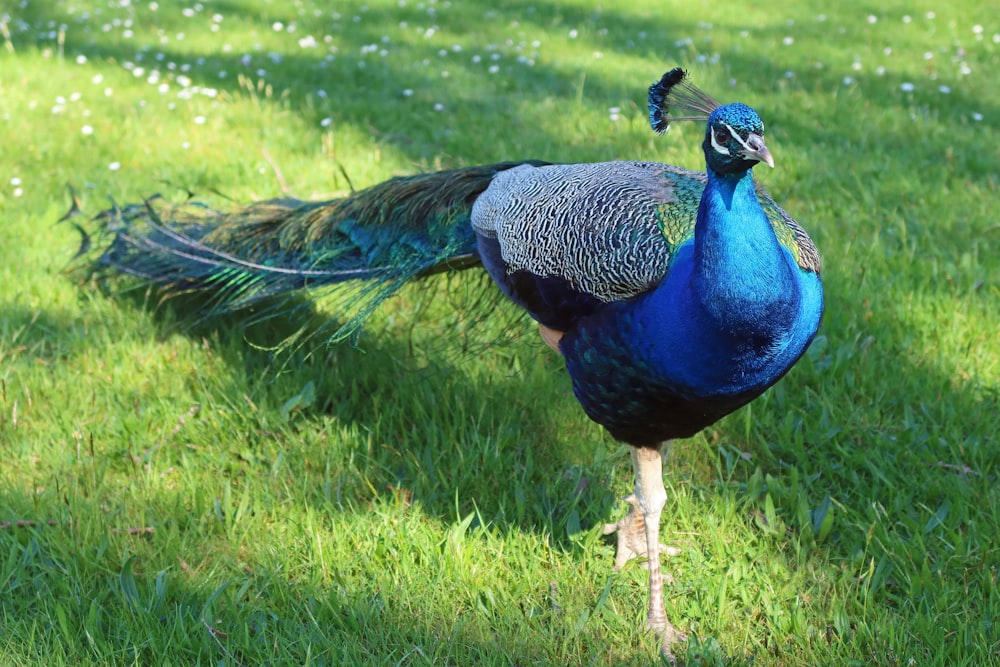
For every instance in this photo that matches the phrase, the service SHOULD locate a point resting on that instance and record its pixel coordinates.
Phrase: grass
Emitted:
(183, 497)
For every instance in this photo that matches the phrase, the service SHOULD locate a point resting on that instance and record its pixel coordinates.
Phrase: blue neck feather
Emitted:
(740, 272)
(729, 316)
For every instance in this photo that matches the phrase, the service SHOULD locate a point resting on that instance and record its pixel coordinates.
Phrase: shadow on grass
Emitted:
(261, 614)
(218, 602)
(447, 420)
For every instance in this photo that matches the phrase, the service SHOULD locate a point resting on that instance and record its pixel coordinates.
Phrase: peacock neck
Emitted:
(740, 272)
(728, 312)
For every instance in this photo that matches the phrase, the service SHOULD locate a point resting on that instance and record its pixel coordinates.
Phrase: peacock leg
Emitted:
(639, 530)
(639, 535)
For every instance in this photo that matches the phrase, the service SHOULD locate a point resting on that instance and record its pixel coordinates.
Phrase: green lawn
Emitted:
(434, 495)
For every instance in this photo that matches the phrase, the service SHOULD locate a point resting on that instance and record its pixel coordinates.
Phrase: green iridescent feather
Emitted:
(677, 219)
(367, 245)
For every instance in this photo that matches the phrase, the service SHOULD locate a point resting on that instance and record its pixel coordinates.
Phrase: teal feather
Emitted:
(367, 245)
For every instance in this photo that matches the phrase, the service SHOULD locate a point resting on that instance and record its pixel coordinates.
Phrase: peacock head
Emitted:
(734, 136)
(734, 139)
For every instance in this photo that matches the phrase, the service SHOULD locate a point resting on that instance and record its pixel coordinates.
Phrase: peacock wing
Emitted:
(563, 240)
(791, 234)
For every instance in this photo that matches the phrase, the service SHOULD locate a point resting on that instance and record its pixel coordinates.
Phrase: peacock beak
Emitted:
(756, 150)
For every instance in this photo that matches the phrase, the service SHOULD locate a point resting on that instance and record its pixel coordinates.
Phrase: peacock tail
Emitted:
(368, 244)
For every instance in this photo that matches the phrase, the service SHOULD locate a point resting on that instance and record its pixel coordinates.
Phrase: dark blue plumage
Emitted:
(675, 296)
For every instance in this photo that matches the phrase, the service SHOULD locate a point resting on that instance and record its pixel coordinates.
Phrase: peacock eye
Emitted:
(722, 136)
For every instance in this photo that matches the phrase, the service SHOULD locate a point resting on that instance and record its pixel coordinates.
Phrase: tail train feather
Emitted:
(367, 245)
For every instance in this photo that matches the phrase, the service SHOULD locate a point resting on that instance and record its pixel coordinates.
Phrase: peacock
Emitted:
(674, 296)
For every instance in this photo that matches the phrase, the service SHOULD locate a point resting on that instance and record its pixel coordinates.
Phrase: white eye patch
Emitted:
(722, 149)
(719, 148)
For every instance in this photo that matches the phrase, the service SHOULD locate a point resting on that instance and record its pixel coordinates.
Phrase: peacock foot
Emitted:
(631, 531)
(669, 635)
